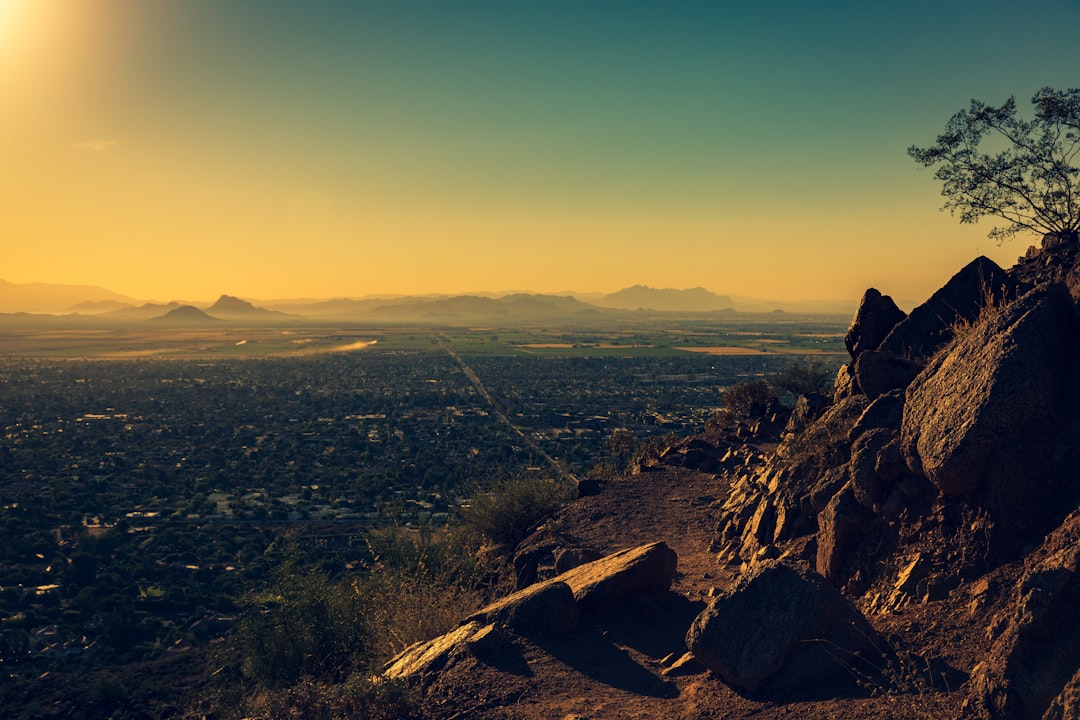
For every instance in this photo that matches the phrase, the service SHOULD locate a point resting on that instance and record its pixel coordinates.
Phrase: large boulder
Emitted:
(544, 608)
(603, 583)
(887, 411)
(929, 326)
(839, 526)
(1036, 639)
(876, 315)
(845, 384)
(870, 486)
(879, 372)
(1002, 382)
(781, 629)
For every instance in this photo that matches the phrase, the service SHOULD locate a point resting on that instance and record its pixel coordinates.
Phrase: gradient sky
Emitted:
(278, 148)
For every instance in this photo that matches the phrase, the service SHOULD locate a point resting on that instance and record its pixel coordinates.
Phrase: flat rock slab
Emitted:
(430, 656)
(602, 584)
(548, 607)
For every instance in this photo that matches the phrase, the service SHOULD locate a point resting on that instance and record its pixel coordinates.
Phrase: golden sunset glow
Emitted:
(182, 149)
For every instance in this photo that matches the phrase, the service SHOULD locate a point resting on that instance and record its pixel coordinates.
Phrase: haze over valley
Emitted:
(614, 359)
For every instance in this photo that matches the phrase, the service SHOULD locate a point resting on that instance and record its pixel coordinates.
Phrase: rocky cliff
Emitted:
(907, 547)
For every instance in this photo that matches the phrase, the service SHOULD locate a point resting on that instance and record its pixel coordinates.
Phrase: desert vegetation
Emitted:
(1032, 184)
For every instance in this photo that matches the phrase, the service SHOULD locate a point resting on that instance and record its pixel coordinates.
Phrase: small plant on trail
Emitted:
(908, 683)
(913, 689)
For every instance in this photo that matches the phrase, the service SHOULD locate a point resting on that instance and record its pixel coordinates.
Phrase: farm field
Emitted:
(764, 334)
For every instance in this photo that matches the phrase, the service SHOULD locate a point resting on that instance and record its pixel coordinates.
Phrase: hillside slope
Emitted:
(906, 547)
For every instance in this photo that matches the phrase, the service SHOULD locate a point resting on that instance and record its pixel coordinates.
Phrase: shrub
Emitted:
(747, 401)
(419, 588)
(304, 625)
(507, 513)
(804, 377)
(359, 696)
(311, 647)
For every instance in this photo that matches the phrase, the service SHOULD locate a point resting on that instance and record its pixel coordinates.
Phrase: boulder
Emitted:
(538, 548)
(780, 629)
(822, 444)
(808, 408)
(544, 608)
(879, 372)
(929, 326)
(868, 486)
(1056, 261)
(1036, 639)
(430, 656)
(1001, 382)
(602, 584)
(569, 558)
(1067, 704)
(876, 315)
(890, 465)
(423, 661)
(845, 385)
(824, 489)
(839, 525)
(886, 411)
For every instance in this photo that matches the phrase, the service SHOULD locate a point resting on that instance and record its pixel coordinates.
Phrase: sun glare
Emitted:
(11, 25)
(9, 10)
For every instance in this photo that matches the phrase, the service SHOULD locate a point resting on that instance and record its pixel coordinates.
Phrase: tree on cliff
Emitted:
(1032, 183)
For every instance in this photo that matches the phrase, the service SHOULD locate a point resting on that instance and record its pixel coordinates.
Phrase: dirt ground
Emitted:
(620, 665)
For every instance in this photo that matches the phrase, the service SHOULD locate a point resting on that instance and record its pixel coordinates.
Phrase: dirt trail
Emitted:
(615, 667)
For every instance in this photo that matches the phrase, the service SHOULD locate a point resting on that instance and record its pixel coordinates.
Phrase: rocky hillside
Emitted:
(906, 547)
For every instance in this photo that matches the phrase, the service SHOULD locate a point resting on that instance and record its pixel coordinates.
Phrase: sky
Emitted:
(172, 149)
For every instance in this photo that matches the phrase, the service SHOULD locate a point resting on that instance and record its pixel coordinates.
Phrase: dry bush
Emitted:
(509, 511)
(806, 376)
(909, 685)
(420, 589)
(311, 647)
(748, 401)
(992, 306)
(301, 625)
(359, 696)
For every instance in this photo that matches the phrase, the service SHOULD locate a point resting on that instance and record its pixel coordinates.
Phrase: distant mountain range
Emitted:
(55, 298)
(88, 302)
(642, 297)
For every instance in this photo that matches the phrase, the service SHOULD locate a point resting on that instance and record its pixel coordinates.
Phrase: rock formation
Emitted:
(781, 627)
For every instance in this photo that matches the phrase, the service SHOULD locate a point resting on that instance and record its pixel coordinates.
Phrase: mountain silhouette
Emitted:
(186, 315)
(52, 297)
(232, 307)
(668, 299)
